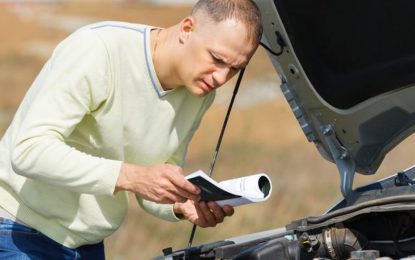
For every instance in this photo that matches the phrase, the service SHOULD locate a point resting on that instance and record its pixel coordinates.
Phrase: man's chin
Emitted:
(198, 92)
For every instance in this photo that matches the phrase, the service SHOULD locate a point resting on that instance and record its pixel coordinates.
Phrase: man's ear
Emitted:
(186, 28)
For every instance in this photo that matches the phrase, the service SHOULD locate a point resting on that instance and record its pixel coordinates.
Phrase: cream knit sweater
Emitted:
(96, 103)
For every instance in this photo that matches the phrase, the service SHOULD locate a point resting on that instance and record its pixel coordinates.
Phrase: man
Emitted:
(111, 112)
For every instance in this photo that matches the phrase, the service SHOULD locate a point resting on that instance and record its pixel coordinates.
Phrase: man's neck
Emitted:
(162, 47)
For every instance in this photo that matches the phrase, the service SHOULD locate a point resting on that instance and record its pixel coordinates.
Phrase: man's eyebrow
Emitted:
(223, 59)
(218, 56)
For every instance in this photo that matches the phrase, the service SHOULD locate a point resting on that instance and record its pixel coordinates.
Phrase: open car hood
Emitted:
(348, 71)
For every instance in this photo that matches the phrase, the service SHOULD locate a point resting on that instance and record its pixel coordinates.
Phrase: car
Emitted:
(347, 71)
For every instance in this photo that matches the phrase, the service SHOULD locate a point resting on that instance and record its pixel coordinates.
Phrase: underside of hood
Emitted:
(348, 73)
(352, 51)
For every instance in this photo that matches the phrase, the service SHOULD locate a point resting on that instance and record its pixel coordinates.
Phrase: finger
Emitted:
(217, 211)
(210, 218)
(228, 210)
(167, 196)
(172, 196)
(186, 194)
(166, 191)
(162, 200)
(182, 193)
(180, 182)
(201, 220)
(175, 168)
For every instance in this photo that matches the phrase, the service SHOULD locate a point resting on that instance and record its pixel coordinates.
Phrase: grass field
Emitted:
(263, 135)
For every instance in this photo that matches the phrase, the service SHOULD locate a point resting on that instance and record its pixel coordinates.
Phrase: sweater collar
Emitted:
(150, 66)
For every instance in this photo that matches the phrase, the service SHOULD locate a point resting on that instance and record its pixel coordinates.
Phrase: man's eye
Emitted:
(217, 60)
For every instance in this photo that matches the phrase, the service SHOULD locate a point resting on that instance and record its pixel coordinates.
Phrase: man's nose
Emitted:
(220, 76)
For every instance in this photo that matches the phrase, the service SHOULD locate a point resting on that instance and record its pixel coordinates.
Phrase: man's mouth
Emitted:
(206, 86)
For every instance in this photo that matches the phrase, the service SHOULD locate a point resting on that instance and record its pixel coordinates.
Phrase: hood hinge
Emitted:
(345, 164)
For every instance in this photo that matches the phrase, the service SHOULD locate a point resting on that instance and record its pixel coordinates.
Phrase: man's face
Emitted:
(214, 53)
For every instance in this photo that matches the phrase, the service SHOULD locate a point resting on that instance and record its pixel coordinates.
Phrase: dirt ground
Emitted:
(262, 136)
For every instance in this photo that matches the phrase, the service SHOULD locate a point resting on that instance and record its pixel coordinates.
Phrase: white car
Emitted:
(348, 73)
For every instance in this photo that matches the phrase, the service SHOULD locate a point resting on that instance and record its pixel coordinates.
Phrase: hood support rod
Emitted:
(222, 132)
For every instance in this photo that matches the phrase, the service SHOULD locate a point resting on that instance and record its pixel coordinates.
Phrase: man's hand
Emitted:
(163, 183)
(203, 214)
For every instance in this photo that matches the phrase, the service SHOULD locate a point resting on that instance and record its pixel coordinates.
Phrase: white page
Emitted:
(247, 188)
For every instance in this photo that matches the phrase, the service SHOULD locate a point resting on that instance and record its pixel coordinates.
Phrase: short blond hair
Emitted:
(244, 11)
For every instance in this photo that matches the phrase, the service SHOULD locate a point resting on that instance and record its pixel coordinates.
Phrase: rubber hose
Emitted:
(340, 242)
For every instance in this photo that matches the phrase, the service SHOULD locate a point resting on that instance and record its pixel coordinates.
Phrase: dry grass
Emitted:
(260, 138)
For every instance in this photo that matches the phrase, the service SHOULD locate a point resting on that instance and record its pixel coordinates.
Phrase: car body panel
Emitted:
(347, 71)
(357, 131)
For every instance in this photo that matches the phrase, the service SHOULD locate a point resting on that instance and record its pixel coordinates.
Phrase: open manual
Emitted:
(234, 192)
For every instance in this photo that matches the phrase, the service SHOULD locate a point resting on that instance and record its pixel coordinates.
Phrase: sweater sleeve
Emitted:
(74, 82)
(162, 211)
